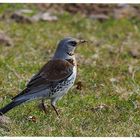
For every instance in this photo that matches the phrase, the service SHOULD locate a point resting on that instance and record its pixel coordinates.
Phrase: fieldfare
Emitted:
(53, 80)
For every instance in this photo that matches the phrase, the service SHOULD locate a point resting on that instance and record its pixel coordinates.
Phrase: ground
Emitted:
(106, 101)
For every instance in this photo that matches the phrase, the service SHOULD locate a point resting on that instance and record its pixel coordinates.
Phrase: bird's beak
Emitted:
(81, 41)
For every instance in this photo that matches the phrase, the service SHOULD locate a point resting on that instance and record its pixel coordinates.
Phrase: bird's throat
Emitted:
(70, 53)
(72, 61)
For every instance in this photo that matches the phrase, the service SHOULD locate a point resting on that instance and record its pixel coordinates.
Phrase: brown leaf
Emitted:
(79, 85)
(125, 12)
(135, 52)
(32, 118)
(5, 40)
(19, 18)
(121, 10)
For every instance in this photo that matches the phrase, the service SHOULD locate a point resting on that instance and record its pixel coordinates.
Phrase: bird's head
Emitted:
(66, 47)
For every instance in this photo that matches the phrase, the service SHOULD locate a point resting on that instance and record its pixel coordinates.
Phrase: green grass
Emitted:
(34, 45)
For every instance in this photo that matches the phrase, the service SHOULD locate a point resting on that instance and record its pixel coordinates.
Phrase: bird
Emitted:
(53, 80)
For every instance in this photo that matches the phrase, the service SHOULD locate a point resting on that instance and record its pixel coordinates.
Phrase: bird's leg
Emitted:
(43, 107)
(55, 109)
(53, 102)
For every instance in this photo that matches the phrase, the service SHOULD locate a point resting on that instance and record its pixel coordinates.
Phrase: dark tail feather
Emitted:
(10, 106)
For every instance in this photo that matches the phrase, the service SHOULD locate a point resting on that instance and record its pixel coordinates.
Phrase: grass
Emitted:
(103, 70)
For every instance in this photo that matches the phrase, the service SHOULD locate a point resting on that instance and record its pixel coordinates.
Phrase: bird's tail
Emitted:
(11, 105)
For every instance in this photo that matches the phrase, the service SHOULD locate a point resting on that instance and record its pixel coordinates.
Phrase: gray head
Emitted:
(66, 47)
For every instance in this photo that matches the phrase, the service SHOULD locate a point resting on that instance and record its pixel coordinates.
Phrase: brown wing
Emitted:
(54, 70)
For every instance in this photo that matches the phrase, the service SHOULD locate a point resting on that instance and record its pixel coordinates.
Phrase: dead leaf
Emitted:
(126, 11)
(97, 11)
(32, 118)
(5, 40)
(79, 85)
(20, 18)
(135, 52)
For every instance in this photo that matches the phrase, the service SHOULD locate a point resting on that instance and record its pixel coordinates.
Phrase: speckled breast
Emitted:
(62, 87)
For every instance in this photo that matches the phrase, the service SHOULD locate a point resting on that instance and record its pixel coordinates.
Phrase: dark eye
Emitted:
(73, 43)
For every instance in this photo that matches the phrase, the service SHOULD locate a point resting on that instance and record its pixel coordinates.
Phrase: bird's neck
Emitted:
(72, 61)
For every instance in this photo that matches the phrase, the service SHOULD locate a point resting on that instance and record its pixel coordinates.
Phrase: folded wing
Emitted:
(53, 71)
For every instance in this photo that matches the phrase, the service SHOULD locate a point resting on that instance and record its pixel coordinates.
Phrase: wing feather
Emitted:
(51, 73)
(54, 70)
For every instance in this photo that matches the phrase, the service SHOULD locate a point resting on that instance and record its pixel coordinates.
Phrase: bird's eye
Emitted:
(73, 43)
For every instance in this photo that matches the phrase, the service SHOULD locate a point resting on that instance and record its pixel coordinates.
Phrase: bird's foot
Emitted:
(56, 111)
